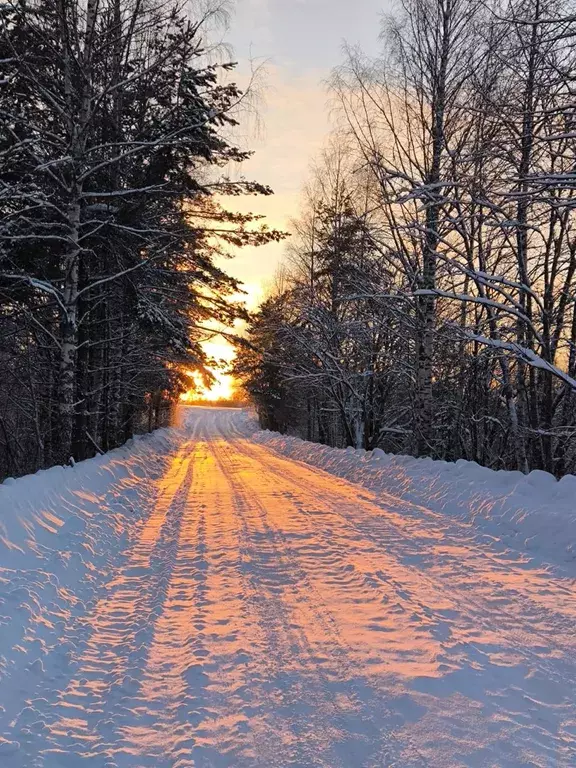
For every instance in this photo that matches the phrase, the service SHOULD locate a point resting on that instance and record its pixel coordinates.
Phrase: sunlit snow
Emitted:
(198, 598)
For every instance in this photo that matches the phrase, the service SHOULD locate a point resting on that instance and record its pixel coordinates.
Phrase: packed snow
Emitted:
(214, 596)
(536, 512)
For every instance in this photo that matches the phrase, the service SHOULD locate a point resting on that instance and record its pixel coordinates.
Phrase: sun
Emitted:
(224, 386)
(221, 389)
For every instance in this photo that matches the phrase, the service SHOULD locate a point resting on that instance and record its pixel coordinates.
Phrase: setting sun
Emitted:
(221, 350)
(223, 386)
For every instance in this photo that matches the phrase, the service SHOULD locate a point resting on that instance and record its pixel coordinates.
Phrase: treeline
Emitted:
(115, 125)
(428, 302)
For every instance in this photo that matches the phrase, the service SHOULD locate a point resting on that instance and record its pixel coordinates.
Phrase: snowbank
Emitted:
(535, 512)
(36, 510)
(62, 532)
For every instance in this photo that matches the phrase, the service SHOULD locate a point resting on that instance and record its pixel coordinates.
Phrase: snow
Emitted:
(532, 512)
(209, 596)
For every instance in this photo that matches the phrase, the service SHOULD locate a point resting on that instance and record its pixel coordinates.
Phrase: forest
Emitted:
(427, 303)
(116, 163)
(427, 300)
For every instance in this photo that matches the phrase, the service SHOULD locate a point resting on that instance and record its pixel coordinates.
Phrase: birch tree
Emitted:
(463, 135)
(405, 115)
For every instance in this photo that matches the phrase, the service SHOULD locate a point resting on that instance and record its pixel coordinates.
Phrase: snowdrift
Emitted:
(62, 531)
(535, 512)
(39, 512)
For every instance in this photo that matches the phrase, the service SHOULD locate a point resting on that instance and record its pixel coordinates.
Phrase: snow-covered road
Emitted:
(215, 604)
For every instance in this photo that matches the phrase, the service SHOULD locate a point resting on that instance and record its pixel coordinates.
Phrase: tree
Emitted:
(114, 126)
(463, 290)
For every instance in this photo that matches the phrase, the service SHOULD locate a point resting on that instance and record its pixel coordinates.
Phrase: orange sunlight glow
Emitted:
(223, 386)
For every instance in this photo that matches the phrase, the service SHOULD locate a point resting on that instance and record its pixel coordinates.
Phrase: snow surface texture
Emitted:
(534, 512)
(198, 600)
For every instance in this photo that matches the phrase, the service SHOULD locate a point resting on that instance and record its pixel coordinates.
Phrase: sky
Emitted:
(294, 46)
(297, 43)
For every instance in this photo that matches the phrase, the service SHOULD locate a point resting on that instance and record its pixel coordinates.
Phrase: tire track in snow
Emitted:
(276, 689)
(197, 664)
(159, 735)
(452, 609)
(293, 609)
(81, 725)
(196, 703)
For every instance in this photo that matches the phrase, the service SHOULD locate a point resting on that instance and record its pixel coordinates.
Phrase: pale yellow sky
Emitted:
(294, 45)
(297, 43)
(294, 126)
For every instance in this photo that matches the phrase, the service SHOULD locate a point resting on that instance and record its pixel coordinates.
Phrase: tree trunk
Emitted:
(69, 336)
(427, 303)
